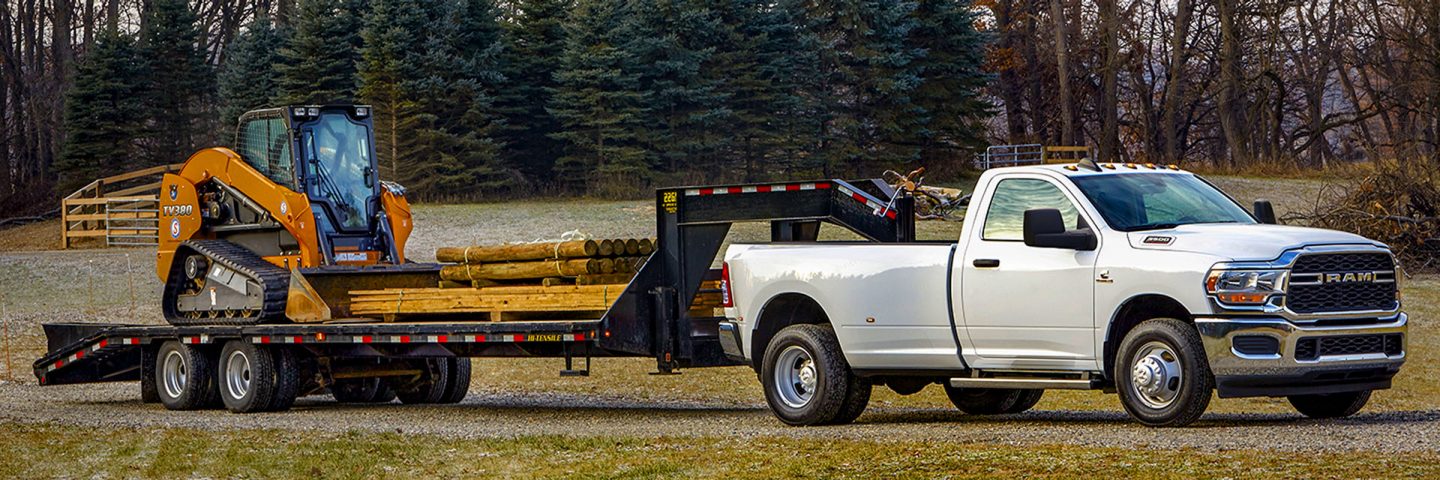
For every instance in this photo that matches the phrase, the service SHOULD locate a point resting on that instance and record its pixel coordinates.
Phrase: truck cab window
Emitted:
(264, 143)
(1006, 218)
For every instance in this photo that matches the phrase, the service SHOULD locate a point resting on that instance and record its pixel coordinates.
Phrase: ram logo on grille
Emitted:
(1348, 277)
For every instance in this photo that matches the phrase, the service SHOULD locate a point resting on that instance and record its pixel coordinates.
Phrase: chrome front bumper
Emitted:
(1244, 375)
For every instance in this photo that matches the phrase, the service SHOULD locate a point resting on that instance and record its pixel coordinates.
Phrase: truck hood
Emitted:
(1241, 242)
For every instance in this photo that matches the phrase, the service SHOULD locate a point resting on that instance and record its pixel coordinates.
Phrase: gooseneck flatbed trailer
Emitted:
(366, 360)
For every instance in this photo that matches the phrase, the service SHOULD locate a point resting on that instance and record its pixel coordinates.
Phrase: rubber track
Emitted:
(274, 280)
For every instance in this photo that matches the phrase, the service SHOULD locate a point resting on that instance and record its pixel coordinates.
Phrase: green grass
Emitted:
(48, 451)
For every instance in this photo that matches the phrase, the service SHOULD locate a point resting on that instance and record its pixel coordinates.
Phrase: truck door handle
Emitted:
(986, 262)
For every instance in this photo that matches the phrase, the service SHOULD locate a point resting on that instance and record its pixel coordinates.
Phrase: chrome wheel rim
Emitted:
(796, 376)
(1156, 375)
(174, 374)
(237, 374)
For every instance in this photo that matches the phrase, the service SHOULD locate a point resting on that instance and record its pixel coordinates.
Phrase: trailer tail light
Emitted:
(727, 299)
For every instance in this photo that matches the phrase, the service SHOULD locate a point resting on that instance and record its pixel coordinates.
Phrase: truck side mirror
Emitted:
(1045, 228)
(1265, 212)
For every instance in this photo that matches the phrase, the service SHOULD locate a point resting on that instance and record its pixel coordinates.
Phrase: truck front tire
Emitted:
(1334, 405)
(1162, 374)
(184, 377)
(807, 380)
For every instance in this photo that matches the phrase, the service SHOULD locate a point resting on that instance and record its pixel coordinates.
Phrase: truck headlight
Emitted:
(1245, 287)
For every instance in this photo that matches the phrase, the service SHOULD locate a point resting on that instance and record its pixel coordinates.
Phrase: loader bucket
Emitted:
(332, 285)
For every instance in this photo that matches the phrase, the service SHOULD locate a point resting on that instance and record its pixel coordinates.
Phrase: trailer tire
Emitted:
(457, 385)
(247, 377)
(807, 380)
(1334, 405)
(149, 393)
(287, 380)
(1162, 374)
(429, 388)
(184, 377)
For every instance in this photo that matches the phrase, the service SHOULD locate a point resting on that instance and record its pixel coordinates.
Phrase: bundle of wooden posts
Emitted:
(562, 280)
(578, 262)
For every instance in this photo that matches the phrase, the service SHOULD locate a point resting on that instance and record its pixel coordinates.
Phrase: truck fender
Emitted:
(1134, 310)
(782, 310)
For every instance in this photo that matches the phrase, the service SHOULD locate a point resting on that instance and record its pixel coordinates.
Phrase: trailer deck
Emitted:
(652, 316)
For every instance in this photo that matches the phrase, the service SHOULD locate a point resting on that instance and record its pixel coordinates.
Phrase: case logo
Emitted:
(174, 191)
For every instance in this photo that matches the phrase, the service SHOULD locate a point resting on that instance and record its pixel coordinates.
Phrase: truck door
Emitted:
(1026, 307)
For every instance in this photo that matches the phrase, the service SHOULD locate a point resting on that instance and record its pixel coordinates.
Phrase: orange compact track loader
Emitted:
(283, 226)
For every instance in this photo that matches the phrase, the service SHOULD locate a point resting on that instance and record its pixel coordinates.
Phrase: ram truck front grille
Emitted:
(1312, 348)
(1342, 282)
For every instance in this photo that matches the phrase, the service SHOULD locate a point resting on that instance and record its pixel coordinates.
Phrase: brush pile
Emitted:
(1398, 206)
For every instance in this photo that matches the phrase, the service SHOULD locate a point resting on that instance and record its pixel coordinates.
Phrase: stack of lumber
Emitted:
(499, 303)
(563, 280)
(579, 262)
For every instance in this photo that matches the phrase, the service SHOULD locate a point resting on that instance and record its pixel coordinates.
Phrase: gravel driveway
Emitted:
(545, 413)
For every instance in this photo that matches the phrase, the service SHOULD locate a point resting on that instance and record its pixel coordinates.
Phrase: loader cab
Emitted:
(326, 152)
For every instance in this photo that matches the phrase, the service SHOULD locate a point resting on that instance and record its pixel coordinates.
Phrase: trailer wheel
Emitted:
(807, 380)
(429, 388)
(248, 377)
(287, 380)
(457, 385)
(184, 377)
(1162, 374)
(1334, 405)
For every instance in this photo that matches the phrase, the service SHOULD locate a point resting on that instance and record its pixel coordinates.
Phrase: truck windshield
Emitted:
(1149, 201)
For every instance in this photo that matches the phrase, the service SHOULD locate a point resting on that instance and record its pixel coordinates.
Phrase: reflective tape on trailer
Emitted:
(86, 351)
(876, 206)
(436, 338)
(779, 187)
(322, 338)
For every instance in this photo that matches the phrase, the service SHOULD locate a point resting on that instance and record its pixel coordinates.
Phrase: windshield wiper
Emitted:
(1152, 226)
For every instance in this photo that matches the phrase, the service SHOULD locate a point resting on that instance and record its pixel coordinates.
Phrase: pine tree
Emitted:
(534, 39)
(394, 39)
(769, 60)
(598, 101)
(867, 76)
(478, 51)
(951, 80)
(181, 85)
(320, 59)
(249, 80)
(675, 48)
(103, 111)
(454, 83)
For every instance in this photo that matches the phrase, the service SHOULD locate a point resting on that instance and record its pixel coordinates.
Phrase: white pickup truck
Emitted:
(1142, 280)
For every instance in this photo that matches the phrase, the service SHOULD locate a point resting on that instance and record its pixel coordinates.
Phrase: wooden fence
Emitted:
(123, 210)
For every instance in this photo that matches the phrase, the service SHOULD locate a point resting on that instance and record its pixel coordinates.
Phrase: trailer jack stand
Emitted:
(570, 370)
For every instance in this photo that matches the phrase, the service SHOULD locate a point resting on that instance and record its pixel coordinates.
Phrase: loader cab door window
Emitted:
(264, 143)
(341, 170)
